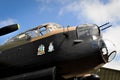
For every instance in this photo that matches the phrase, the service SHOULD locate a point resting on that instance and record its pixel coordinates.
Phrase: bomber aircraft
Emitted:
(53, 52)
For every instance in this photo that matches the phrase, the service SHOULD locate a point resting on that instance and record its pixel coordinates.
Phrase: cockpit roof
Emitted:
(47, 25)
(35, 32)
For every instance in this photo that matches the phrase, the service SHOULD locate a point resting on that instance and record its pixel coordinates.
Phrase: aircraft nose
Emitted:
(108, 50)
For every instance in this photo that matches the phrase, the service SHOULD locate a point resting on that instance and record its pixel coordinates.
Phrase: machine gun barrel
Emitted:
(104, 24)
(106, 27)
(103, 28)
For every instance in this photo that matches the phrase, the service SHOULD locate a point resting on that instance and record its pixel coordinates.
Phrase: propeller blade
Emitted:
(8, 29)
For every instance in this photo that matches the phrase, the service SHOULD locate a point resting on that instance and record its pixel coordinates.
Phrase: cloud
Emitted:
(53, 1)
(44, 5)
(112, 34)
(51, 5)
(94, 11)
(7, 22)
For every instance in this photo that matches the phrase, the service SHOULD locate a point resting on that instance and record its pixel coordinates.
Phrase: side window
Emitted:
(24, 36)
(51, 28)
(43, 30)
(34, 33)
(21, 36)
(82, 32)
(95, 31)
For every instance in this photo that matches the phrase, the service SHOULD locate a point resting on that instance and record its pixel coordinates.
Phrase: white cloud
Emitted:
(52, 1)
(7, 22)
(51, 5)
(95, 11)
(44, 1)
(112, 34)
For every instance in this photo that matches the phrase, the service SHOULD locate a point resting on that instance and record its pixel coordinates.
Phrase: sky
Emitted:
(31, 13)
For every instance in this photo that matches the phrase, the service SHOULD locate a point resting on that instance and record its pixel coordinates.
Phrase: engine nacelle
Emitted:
(45, 74)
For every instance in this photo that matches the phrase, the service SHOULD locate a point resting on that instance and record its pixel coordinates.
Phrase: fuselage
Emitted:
(72, 50)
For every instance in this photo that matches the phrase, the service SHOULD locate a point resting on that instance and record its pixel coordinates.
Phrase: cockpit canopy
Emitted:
(87, 31)
(35, 32)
